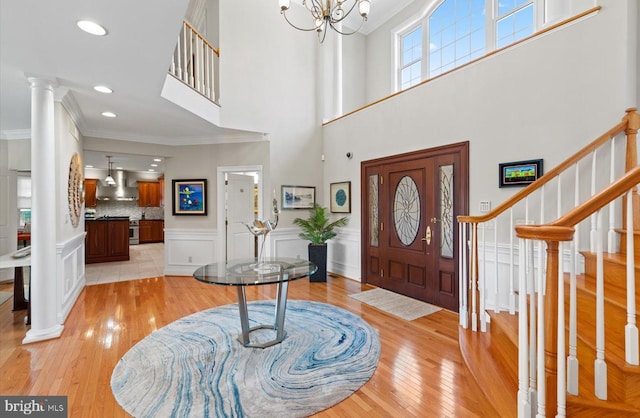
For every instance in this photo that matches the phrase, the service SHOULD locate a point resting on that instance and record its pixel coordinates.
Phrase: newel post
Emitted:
(631, 161)
(551, 330)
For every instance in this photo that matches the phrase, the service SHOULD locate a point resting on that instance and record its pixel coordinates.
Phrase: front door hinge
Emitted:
(381, 179)
(381, 272)
(381, 226)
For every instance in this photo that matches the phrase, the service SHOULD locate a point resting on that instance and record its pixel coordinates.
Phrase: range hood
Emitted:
(121, 190)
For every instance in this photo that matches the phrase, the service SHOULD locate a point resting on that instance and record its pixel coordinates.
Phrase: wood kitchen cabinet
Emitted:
(151, 230)
(106, 240)
(148, 193)
(90, 186)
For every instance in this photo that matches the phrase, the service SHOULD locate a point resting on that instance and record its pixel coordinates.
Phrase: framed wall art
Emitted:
(298, 197)
(340, 197)
(189, 197)
(519, 173)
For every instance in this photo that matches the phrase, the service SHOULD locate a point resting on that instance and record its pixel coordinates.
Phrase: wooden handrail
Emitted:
(562, 228)
(204, 40)
(550, 175)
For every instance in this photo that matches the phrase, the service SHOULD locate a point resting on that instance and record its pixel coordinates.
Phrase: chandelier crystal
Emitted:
(329, 13)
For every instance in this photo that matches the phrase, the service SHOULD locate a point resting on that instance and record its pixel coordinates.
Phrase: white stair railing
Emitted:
(557, 235)
(518, 278)
(195, 62)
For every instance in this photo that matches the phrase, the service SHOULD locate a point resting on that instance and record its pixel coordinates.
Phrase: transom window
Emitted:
(459, 31)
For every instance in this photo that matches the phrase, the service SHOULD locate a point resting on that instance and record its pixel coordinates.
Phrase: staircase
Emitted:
(518, 356)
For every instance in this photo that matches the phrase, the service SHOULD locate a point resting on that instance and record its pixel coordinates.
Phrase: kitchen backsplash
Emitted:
(127, 208)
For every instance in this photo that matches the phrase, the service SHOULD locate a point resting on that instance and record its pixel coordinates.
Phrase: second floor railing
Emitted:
(195, 62)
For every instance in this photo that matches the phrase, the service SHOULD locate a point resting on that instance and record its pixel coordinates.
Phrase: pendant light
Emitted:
(109, 180)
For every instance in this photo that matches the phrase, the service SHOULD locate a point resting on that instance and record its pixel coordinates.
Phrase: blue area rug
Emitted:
(195, 367)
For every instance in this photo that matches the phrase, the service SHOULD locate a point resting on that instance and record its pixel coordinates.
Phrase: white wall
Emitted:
(354, 72)
(545, 98)
(68, 142)
(202, 162)
(268, 84)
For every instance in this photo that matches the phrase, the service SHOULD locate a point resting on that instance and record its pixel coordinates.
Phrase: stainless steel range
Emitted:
(134, 231)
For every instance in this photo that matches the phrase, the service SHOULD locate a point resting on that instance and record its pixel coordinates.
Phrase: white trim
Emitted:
(15, 134)
(70, 274)
(187, 249)
(220, 206)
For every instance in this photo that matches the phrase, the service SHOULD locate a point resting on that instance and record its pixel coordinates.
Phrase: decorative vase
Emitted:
(318, 256)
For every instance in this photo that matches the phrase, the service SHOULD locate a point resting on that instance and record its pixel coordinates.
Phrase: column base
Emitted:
(45, 334)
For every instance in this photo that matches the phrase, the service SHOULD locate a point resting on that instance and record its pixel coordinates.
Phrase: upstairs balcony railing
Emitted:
(195, 62)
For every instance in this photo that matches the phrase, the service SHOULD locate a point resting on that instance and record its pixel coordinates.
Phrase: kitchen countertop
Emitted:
(108, 218)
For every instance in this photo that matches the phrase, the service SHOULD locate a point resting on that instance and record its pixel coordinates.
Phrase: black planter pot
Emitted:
(318, 256)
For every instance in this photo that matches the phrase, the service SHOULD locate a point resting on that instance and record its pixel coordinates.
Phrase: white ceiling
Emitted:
(41, 38)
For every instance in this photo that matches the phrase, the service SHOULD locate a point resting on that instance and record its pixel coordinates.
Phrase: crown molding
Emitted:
(71, 105)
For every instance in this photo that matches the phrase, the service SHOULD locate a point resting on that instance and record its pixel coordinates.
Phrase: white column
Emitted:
(43, 293)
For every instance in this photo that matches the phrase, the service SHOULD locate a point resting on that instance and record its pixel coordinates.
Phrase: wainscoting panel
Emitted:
(497, 282)
(285, 242)
(343, 253)
(70, 275)
(187, 249)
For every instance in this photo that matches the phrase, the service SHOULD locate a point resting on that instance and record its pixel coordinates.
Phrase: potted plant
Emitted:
(318, 229)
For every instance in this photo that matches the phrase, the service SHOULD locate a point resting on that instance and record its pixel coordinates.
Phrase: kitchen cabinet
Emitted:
(148, 193)
(161, 191)
(151, 230)
(90, 186)
(106, 240)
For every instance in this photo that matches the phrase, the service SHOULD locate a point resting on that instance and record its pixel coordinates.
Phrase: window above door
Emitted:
(456, 32)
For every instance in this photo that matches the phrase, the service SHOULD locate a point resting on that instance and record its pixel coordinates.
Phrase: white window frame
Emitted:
(399, 67)
(491, 19)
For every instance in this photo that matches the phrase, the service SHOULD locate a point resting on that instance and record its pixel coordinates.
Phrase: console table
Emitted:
(21, 287)
(250, 272)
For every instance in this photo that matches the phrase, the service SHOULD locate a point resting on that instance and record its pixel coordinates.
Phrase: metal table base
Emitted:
(278, 325)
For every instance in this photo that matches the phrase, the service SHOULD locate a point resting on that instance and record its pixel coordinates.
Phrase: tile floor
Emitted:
(146, 260)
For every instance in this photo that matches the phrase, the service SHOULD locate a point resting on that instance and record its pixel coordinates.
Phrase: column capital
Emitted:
(37, 80)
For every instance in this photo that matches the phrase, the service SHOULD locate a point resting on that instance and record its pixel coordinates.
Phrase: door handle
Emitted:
(427, 235)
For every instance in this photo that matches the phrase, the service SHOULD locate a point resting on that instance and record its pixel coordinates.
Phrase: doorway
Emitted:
(410, 203)
(239, 194)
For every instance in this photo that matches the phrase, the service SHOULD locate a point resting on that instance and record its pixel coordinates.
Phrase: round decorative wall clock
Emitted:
(75, 189)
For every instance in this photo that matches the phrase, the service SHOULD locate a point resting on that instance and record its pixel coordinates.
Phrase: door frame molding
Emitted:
(222, 231)
(460, 148)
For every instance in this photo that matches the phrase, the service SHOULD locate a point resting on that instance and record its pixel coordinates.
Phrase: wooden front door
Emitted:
(410, 203)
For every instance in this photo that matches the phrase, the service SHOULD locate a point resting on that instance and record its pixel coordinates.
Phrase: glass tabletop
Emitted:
(248, 272)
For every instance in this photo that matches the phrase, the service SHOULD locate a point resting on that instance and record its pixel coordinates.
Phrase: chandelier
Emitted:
(329, 13)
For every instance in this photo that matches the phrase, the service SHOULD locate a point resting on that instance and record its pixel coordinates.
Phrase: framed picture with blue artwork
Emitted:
(189, 197)
(340, 197)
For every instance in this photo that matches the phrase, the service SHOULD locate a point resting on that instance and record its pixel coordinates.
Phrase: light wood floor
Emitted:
(420, 373)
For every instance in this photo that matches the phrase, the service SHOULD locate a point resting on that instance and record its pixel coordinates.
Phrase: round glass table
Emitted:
(249, 272)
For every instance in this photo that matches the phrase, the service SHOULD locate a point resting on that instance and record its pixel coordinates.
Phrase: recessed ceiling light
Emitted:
(109, 114)
(88, 166)
(154, 165)
(151, 169)
(157, 159)
(103, 89)
(91, 27)
(119, 168)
